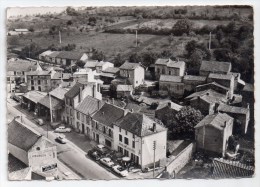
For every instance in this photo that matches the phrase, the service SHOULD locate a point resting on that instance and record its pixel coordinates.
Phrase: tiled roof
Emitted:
(232, 109)
(34, 95)
(174, 106)
(215, 120)
(215, 66)
(89, 105)
(57, 75)
(21, 136)
(38, 73)
(59, 92)
(230, 169)
(176, 64)
(129, 66)
(91, 63)
(194, 78)
(139, 124)
(162, 61)
(220, 76)
(111, 70)
(55, 103)
(108, 114)
(14, 164)
(170, 78)
(21, 65)
(73, 55)
(124, 88)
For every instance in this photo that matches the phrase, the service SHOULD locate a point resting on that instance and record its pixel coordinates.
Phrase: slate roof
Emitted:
(124, 88)
(73, 55)
(232, 109)
(248, 87)
(14, 164)
(21, 65)
(34, 96)
(215, 66)
(59, 93)
(55, 103)
(171, 78)
(215, 120)
(89, 105)
(139, 124)
(220, 76)
(129, 66)
(57, 75)
(194, 78)
(112, 70)
(21, 136)
(108, 114)
(230, 169)
(38, 73)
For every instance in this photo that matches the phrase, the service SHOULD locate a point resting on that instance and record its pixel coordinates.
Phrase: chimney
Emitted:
(248, 106)
(169, 104)
(154, 127)
(94, 91)
(225, 124)
(80, 94)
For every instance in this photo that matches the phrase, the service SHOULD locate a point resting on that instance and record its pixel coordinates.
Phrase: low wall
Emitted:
(181, 159)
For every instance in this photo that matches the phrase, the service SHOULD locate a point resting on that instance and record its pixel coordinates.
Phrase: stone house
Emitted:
(69, 58)
(133, 73)
(101, 66)
(213, 132)
(135, 136)
(191, 81)
(216, 67)
(173, 84)
(124, 90)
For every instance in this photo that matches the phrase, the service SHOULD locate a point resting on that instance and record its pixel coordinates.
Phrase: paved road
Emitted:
(69, 153)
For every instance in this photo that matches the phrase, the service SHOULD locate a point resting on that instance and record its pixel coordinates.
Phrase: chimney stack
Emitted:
(80, 93)
(154, 127)
(94, 90)
(225, 124)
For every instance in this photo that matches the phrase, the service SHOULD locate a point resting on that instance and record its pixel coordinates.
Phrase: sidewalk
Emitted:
(66, 173)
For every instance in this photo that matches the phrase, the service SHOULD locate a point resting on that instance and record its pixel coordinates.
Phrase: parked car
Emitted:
(62, 129)
(120, 170)
(102, 149)
(16, 98)
(61, 139)
(94, 155)
(39, 121)
(107, 161)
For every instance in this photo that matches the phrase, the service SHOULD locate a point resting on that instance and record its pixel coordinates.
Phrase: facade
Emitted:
(173, 84)
(91, 64)
(36, 151)
(213, 132)
(84, 112)
(39, 80)
(169, 67)
(191, 81)
(135, 135)
(75, 95)
(101, 66)
(102, 124)
(133, 73)
(241, 117)
(109, 74)
(57, 78)
(124, 90)
(85, 74)
(216, 67)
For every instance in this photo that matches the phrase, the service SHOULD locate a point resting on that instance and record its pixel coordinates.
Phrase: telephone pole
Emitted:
(154, 148)
(60, 37)
(50, 113)
(209, 40)
(136, 38)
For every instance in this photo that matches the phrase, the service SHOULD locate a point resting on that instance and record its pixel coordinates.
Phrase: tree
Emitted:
(219, 35)
(223, 54)
(190, 47)
(71, 11)
(118, 60)
(13, 40)
(69, 22)
(98, 55)
(187, 118)
(182, 26)
(31, 51)
(31, 29)
(80, 64)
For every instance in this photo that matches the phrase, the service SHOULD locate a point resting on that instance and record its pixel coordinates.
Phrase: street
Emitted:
(69, 154)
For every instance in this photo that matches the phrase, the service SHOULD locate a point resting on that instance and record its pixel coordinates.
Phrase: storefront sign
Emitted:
(49, 167)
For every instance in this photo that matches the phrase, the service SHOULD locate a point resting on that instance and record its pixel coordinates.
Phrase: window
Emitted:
(39, 88)
(120, 149)
(53, 155)
(14, 72)
(133, 144)
(126, 140)
(110, 132)
(158, 70)
(136, 82)
(120, 137)
(119, 129)
(71, 112)
(32, 82)
(104, 129)
(8, 78)
(78, 115)
(125, 132)
(170, 72)
(39, 81)
(126, 153)
(163, 71)
(133, 136)
(31, 77)
(32, 88)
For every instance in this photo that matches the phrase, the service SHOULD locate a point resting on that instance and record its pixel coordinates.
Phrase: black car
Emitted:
(93, 154)
(16, 98)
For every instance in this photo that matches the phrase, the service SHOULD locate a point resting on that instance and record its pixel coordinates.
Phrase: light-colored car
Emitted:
(61, 139)
(62, 129)
(39, 121)
(120, 170)
(107, 161)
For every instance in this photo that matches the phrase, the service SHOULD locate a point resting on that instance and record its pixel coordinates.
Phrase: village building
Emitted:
(39, 80)
(169, 67)
(35, 151)
(223, 168)
(133, 73)
(241, 117)
(101, 66)
(124, 90)
(136, 136)
(58, 77)
(206, 101)
(173, 84)
(238, 82)
(91, 64)
(216, 67)
(102, 124)
(44, 56)
(85, 74)
(109, 74)
(212, 133)
(84, 112)
(75, 95)
(191, 81)
(16, 72)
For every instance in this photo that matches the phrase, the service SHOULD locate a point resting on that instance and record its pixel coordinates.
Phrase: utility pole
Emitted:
(136, 38)
(60, 37)
(50, 113)
(209, 40)
(154, 148)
